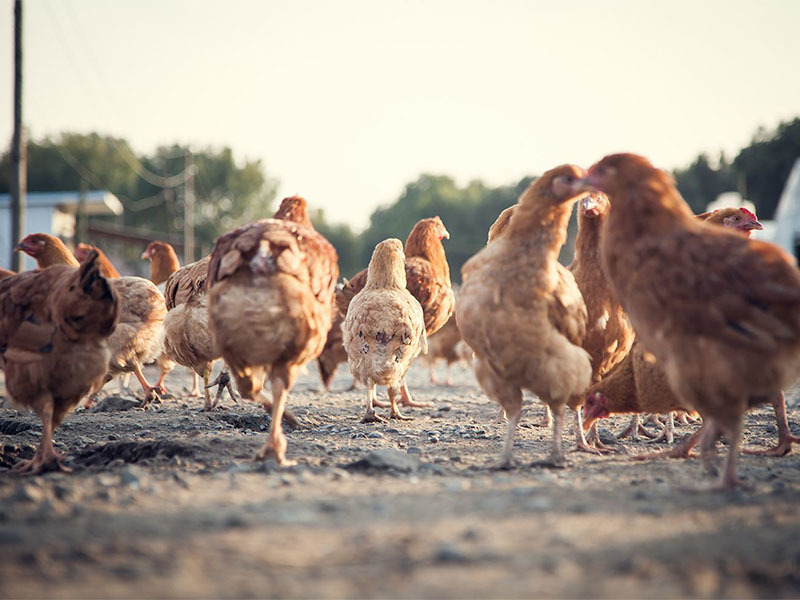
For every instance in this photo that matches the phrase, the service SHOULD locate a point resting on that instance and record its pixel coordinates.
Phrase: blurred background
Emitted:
(180, 120)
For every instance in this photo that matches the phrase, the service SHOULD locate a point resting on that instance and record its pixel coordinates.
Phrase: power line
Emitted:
(122, 149)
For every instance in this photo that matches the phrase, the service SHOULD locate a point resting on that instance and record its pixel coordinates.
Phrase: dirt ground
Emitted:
(168, 502)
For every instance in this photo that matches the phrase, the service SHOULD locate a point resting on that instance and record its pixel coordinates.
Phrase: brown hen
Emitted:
(720, 312)
(269, 304)
(53, 332)
(522, 312)
(138, 337)
(107, 269)
(384, 329)
(428, 280)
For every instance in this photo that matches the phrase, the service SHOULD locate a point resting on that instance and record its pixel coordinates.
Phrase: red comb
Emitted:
(749, 214)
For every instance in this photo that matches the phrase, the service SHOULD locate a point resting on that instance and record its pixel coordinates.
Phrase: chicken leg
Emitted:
(728, 478)
(785, 437)
(281, 380)
(581, 443)
(46, 456)
(151, 393)
(556, 457)
(634, 429)
(395, 411)
(406, 400)
(667, 432)
(370, 416)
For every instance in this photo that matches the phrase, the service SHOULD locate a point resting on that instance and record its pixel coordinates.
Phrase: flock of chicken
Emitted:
(660, 311)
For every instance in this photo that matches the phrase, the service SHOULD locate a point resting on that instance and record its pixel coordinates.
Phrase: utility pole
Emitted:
(19, 181)
(188, 210)
(82, 232)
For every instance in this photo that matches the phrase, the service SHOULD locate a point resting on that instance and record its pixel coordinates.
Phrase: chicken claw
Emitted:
(785, 437)
(634, 429)
(682, 450)
(667, 432)
(406, 400)
(373, 417)
(395, 411)
(45, 459)
(151, 394)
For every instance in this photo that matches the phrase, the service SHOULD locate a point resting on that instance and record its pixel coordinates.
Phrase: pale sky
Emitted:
(347, 101)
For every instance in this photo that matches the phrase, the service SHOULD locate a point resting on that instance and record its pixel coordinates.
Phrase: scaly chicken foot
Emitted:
(506, 460)
(276, 444)
(370, 416)
(556, 458)
(785, 437)
(634, 429)
(151, 393)
(581, 443)
(682, 450)
(395, 411)
(209, 404)
(667, 432)
(46, 457)
(728, 479)
(547, 420)
(195, 391)
(406, 400)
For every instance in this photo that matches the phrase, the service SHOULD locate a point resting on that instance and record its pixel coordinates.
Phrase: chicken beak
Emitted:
(21, 247)
(755, 225)
(445, 234)
(589, 205)
(146, 255)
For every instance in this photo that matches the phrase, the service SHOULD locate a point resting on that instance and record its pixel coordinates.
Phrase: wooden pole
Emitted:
(188, 211)
(19, 181)
(82, 225)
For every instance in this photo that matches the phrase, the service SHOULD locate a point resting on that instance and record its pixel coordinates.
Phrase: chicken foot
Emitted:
(510, 400)
(276, 444)
(634, 429)
(395, 411)
(223, 382)
(46, 457)
(581, 443)
(556, 458)
(682, 450)
(195, 391)
(406, 400)
(370, 416)
(151, 393)
(667, 432)
(785, 437)
(728, 479)
(507, 454)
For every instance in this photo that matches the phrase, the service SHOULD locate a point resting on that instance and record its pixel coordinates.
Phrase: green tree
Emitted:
(344, 239)
(227, 194)
(766, 163)
(467, 212)
(701, 183)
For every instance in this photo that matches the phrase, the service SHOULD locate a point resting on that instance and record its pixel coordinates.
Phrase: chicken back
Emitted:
(271, 287)
(384, 329)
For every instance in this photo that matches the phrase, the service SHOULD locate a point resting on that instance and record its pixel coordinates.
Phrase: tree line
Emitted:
(230, 194)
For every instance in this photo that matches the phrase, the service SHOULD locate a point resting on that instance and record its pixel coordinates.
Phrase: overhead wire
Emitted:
(122, 149)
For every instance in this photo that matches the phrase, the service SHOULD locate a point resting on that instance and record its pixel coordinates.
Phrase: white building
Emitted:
(53, 213)
(787, 215)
